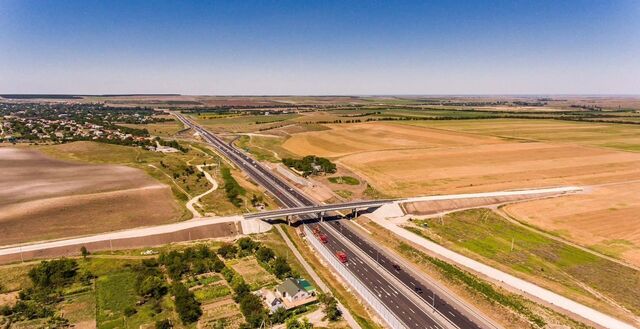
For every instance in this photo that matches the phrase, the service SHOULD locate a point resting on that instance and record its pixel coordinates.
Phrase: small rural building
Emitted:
(292, 291)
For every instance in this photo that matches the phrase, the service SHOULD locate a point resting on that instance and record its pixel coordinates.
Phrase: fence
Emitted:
(377, 305)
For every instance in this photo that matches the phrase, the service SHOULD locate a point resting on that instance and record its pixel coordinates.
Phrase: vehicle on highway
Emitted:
(342, 256)
(323, 238)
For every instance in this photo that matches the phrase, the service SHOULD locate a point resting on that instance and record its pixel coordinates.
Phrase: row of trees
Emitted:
(232, 189)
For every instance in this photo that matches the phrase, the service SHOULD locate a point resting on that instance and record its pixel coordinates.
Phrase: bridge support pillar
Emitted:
(288, 220)
(355, 212)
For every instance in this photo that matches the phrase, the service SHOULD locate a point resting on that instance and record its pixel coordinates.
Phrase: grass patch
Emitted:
(613, 248)
(344, 193)
(102, 265)
(114, 292)
(14, 277)
(344, 180)
(488, 237)
(80, 308)
(372, 193)
(471, 281)
(212, 292)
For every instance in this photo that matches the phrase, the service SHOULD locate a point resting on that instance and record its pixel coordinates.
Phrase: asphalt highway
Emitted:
(403, 306)
(420, 288)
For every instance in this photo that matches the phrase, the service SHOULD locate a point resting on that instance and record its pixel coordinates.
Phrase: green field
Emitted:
(114, 292)
(242, 123)
(264, 148)
(488, 237)
(212, 292)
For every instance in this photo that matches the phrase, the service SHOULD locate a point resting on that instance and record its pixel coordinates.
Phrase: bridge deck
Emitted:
(318, 209)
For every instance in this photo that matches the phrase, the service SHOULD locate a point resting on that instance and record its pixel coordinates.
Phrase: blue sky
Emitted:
(322, 47)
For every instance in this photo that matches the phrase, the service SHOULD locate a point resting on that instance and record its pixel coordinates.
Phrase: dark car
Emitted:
(418, 290)
(396, 267)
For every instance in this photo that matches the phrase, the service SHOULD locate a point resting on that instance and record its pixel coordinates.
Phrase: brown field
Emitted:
(43, 198)
(478, 156)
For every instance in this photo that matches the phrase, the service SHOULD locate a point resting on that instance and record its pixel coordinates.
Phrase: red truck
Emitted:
(323, 238)
(342, 257)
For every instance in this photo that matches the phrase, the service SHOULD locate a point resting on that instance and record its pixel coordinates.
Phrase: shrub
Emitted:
(228, 251)
(163, 324)
(129, 311)
(248, 244)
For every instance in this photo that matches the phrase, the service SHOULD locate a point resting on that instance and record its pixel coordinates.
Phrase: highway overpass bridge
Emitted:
(319, 210)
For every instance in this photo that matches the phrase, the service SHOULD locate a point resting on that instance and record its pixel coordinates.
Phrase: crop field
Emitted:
(581, 275)
(466, 156)
(344, 140)
(44, 198)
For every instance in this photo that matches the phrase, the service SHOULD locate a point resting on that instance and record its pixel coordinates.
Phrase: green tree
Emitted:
(84, 252)
(280, 268)
(265, 254)
(247, 244)
(187, 306)
(254, 312)
(53, 274)
(331, 311)
(279, 315)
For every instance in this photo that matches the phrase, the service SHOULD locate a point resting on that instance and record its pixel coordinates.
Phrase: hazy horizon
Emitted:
(325, 48)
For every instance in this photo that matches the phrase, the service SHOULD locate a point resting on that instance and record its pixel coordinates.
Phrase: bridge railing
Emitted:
(374, 301)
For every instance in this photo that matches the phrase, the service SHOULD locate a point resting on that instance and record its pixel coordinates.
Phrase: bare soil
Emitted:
(42, 198)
